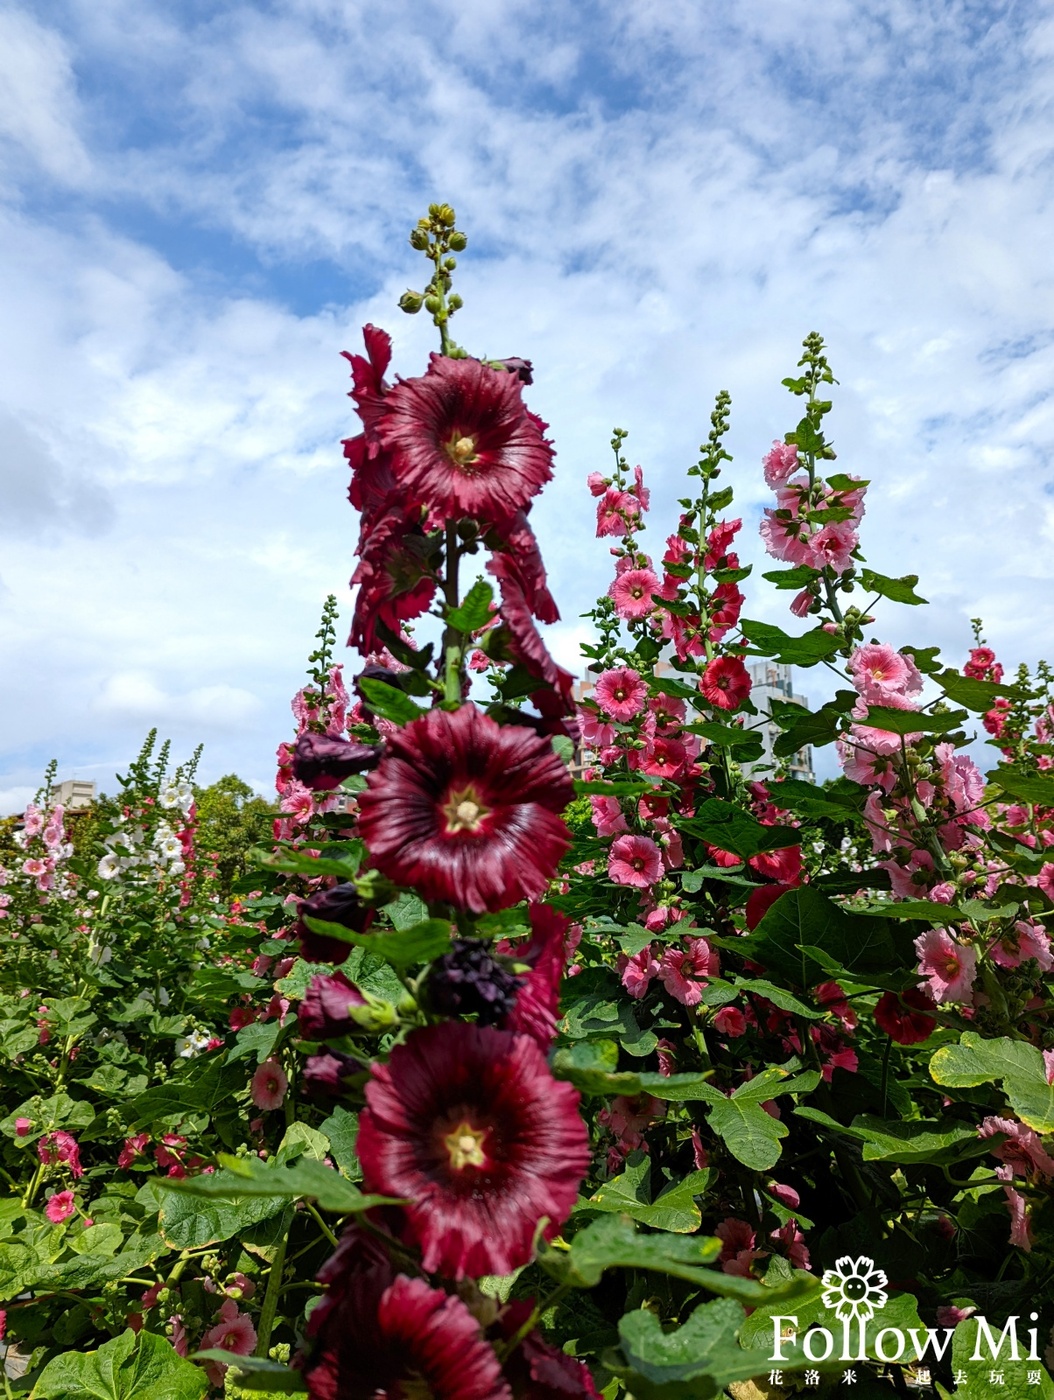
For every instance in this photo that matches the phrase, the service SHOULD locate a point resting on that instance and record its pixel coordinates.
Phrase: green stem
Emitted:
(312, 1211)
(33, 1187)
(506, 1349)
(270, 1302)
(452, 648)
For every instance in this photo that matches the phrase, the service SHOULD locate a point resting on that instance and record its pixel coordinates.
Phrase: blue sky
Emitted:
(200, 204)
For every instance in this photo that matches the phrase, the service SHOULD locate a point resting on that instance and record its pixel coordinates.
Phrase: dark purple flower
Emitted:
(330, 1074)
(339, 905)
(325, 1010)
(322, 762)
(469, 980)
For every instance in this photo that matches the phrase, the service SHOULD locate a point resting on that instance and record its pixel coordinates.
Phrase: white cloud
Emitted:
(38, 107)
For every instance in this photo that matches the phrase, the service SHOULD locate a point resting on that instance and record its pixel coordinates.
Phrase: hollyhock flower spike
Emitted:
(468, 1126)
(466, 810)
(463, 442)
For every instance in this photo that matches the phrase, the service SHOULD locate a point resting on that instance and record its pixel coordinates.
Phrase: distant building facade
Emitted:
(772, 680)
(75, 794)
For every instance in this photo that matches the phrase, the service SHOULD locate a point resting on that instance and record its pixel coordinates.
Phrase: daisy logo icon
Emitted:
(854, 1288)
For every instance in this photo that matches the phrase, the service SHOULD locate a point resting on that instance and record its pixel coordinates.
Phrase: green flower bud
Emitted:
(450, 264)
(432, 304)
(455, 302)
(458, 241)
(445, 215)
(411, 302)
(419, 238)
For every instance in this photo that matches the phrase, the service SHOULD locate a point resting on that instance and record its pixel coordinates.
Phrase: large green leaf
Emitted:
(805, 650)
(342, 860)
(631, 1194)
(146, 1367)
(750, 1134)
(1016, 1064)
(892, 1141)
(817, 727)
(1015, 1382)
(897, 590)
(400, 947)
(388, 701)
(730, 828)
(975, 694)
(913, 721)
(1025, 786)
(698, 1359)
(256, 1373)
(247, 1179)
(474, 612)
(856, 945)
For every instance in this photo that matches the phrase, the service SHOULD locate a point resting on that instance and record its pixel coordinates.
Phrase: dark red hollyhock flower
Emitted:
(373, 483)
(322, 762)
(725, 682)
(760, 901)
(523, 558)
(393, 577)
(534, 1012)
(463, 442)
(468, 1125)
(536, 1370)
(339, 905)
(905, 1026)
(520, 639)
(330, 1074)
(324, 1011)
(523, 369)
(378, 1335)
(465, 810)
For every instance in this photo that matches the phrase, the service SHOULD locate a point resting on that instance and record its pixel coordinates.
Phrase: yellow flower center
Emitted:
(464, 811)
(465, 1146)
(462, 450)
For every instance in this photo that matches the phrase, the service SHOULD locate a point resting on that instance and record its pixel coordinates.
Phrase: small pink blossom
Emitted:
(632, 593)
(234, 1333)
(880, 672)
(618, 513)
(793, 1243)
(621, 693)
(636, 861)
(786, 1195)
(597, 484)
(134, 1147)
(730, 1021)
(639, 971)
(23, 1127)
(780, 462)
(801, 603)
(60, 1146)
(948, 968)
(1020, 1230)
(833, 546)
(60, 1207)
(608, 816)
(1029, 940)
(1021, 1148)
(269, 1085)
(685, 972)
(737, 1247)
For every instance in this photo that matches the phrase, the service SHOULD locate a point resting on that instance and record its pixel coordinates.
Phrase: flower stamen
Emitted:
(465, 1146)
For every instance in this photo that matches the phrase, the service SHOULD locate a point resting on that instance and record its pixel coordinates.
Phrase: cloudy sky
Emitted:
(202, 201)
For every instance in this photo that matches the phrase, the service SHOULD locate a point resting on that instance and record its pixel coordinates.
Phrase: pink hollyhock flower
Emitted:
(463, 442)
(963, 785)
(982, 660)
(326, 1009)
(717, 543)
(801, 603)
(782, 864)
(662, 758)
(725, 683)
(595, 732)
(376, 1333)
(685, 972)
(786, 1195)
(948, 967)
(833, 546)
(725, 607)
(240, 1017)
(627, 1118)
(730, 1021)
(34, 866)
(234, 1333)
(760, 901)
(269, 1085)
(793, 1242)
(62, 1147)
(1029, 940)
(597, 483)
(60, 1207)
(608, 816)
(32, 821)
(903, 1017)
(782, 539)
(669, 712)
(466, 810)
(618, 513)
(621, 693)
(1020, 1149)
(780, 462)
(863, 766)
(737, 1247)
(1020, 1228)
(638, 971)
(469, 1126)
(1048, 1065)
(23, 1127)
(834, 1052)
(911, 880)
(635, 860)
(879, 671)
(632, 593)
(134, 1148)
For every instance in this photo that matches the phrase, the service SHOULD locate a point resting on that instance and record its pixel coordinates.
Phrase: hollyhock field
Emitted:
(540, 1041)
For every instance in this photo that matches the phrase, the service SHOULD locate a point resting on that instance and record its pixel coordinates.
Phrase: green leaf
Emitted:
(1015, 1383)
(699, 1358)
(750, 1134)
(817, 727)
(256, 1373)
(400, 947)
(1016, 1064)
(800, 576)
(808, 800)
(628, 787)
(613, 1243)
(728, 827)
(342, 1130)
(892, 1141)
(1025, 786)
(343, 861)
(631, 1194)
(406, 910)
(805, 650)
(912, 721)
(898, 590)
(248, 1180)
(975, 694)
(474, 612)
(187, 1221)
(146, 1367)
(388, 701)
(257, 1039)
(853, 945)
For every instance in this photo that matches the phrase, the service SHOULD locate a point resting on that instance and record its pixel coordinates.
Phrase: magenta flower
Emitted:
(60, 1146)
(618, 513)
(621, 693)
(60, 1207)
(725, 683)
(466, 810)
(378, 1334)
(322, 762)
(134, 1148)
(730, 1021)
(639, 971)
(467, 1124)
(949, 968)
(833, 547)
(463, 442)
(609, 818)
(269, 1085)
(684, 972)
(23, 1127)
(636, 861)
(632, 593)
(326, 1010)
(534, 1011)
(537, 1370)
(1028, 940)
